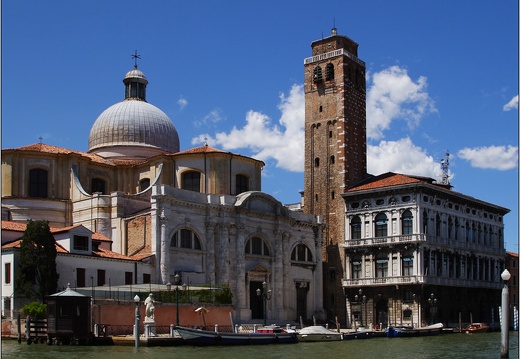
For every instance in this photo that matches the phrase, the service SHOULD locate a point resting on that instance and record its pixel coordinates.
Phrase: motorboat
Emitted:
(317, 333)
(265, 335)
(409, 331)
(477, 328)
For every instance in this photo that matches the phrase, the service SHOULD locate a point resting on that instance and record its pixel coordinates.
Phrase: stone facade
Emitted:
(335, 148)
(198, 213)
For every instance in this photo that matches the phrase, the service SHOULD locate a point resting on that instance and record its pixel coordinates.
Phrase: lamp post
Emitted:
(504, 328)
(361, 299)
(432, 301)
(177, 280)
(137, 317)
(265, 294)
(413, 305)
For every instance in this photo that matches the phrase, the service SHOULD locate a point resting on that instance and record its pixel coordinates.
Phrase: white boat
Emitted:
(317, 333)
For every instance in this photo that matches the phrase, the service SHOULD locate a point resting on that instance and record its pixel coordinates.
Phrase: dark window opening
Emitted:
(317, 74)
(191, 181)
(329, 72)
(38, 183)
(81, 243)
(144, 184)
(242, 184)
(101, 277)
(98, 185)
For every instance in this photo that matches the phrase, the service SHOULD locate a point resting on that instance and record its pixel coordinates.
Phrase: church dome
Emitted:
(133, 128)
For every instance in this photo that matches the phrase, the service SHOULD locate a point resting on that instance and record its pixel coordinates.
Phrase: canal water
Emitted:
(460, 346)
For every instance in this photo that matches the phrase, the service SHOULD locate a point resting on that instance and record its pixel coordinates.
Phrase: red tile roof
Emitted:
(16, 244)
(201, 149)
(388, 180)
(44, 148)
(22, 226)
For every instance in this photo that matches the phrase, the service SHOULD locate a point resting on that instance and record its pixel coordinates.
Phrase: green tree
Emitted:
(37, 276)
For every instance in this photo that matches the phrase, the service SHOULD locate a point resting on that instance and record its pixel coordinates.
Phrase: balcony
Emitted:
(459, 244)
(382, 241)
(420, 279)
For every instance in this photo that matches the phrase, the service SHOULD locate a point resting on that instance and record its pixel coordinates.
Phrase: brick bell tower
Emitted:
(335, 149)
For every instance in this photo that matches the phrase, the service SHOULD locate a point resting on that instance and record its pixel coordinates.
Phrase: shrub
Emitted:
(35, 310)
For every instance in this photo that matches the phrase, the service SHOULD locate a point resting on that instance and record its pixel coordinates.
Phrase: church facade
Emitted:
(198, 213)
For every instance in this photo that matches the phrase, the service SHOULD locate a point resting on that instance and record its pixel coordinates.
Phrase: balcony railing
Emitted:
(417, 238)
(420, 279)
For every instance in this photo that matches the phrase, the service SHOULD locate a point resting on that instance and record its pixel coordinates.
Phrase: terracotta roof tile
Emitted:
(201, 149)
(14, 226)
(387, 180)
(16, 244)
(105, 253)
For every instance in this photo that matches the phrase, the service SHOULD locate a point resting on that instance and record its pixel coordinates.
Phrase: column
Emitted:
(210, 251)
(164, 258)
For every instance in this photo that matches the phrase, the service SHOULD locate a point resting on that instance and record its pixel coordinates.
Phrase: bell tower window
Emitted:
(317, 74)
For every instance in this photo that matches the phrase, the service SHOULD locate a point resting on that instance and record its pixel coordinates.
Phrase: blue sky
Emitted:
(441, 75)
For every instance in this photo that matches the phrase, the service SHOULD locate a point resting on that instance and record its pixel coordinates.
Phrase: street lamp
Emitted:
(413, 305)
(504, 335)
(432, 301)
(265, 295)
(361, 299)
(137, 317)
(177, 281)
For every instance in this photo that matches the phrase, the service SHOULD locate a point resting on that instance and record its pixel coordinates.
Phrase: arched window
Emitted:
(185, 238)
(407, 222)
(317, 162)
(381, 228)
(191, 181)
(301, 253)
(355, 228)
(329, 72)
(450, 227)
(144, 184)
(382, 265)
(38, 183)
(332, 159)
(257, 246)
(407, 264)
(241, 184)
(98, 185)
(457, 228)
(317, 76)
(356, 267)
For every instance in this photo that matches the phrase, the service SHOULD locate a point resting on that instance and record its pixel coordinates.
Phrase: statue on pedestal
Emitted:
(150, 308)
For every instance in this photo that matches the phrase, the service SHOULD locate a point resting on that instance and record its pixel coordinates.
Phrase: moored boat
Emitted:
(476, 328)
(263, 336)
(409, 331)
(317, 333)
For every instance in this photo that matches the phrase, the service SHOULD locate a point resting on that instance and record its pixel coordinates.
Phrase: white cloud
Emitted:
(492, 157)
(182, 102)
(394, 95)
(512, 104)
(401, 156)
(283, 142)
(211, 118)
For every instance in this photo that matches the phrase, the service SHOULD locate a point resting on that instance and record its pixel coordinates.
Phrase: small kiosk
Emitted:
(69, 318)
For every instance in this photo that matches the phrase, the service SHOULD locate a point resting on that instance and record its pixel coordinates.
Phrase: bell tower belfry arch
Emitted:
(335, 148)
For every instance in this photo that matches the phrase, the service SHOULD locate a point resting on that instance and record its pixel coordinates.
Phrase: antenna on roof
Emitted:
(135, 56)
(445, 163)
(41, 138)
(334, 30)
